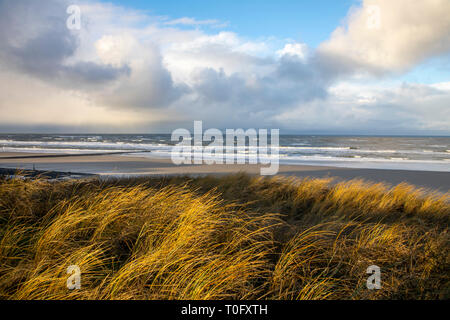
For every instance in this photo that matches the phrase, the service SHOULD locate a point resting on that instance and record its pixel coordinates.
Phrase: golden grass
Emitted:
(235, 237)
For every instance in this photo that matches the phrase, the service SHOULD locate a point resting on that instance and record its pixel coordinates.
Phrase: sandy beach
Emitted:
(119, 165)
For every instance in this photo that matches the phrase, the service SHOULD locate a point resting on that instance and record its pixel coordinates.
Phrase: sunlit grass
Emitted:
(235, 237)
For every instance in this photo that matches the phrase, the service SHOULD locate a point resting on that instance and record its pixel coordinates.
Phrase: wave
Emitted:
(117, 146)
(290, 150)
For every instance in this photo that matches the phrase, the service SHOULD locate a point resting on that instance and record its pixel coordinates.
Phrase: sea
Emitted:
(378, 152)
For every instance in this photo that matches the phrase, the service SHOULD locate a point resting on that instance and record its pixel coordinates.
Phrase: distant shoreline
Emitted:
(117, 165)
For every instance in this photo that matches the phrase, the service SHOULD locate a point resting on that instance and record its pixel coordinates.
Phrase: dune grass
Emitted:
(234, 237)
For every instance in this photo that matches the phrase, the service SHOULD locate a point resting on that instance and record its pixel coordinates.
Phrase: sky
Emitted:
(307, 21)
(308, 67)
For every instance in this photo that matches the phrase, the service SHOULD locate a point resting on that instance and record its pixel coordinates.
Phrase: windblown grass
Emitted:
(235, 237)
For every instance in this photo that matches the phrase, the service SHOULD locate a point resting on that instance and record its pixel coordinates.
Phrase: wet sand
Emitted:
(117, 165)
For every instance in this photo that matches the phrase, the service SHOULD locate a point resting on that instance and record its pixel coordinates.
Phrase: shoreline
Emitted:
(117, 165)
(29, 155)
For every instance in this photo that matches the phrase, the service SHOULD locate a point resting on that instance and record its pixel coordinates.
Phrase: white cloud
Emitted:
(116, 49)
(299, 50)
(384, 36)
(403, 108)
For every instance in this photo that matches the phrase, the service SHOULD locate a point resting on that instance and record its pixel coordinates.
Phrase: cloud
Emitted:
(299, 50)
(149, 86)
(42, 46)
(47, 50)
(193, 22)
(28, 104)
(126, 70)
(384, 36)
(406, 108)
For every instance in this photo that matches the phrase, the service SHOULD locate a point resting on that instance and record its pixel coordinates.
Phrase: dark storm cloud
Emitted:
(35, 40)
(292, 81)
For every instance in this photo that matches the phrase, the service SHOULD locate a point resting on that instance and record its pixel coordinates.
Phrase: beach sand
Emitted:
(119, 165)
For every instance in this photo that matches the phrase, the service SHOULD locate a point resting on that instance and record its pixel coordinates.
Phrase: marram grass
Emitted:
(235, 237)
